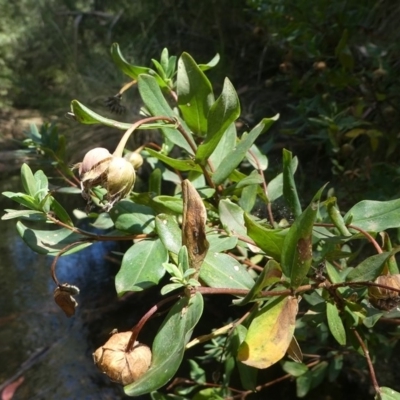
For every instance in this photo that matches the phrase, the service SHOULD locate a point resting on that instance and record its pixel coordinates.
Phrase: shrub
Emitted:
(298, 283)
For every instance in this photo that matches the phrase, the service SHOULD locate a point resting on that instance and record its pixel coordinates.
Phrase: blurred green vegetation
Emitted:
(329, 67)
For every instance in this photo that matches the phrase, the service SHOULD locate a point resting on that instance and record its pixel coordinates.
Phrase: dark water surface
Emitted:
(51, 352)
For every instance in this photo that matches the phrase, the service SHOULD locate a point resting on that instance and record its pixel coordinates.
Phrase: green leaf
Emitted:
(303, 384)
(388, 394)
(268, 240)
(28, 180)
(142, 266)
(50, 242)
(132, 218)
(42, 185)
(369, 269)
(169, 232)
(23, 199)
(85, 115)
(211, 64)
(208, 394)
(155, 181)
(297, 246)
(155, 102)
(223, 112)
(335, 323)
(289, 186)
(270, 333)
(265, 278)
(233, 159)
(375, 216)
(173, 204)
(60, 212)
(24, 214)
(231, 216)
(169, 345)
(220, 243)
(128, 69)
(275, 186)
(180, 165)
(222, 271)
(225, 146)
(294, 368)
(195, 94)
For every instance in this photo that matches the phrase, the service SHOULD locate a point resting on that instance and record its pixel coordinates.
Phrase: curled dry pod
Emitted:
(63, 296)
(120, 366)
(382, 298)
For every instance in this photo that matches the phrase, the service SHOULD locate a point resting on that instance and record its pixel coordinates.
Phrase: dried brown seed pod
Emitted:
(117, 364)
(382, 298)
(63, 296)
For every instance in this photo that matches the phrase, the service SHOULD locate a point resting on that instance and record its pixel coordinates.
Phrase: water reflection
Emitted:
(58, 350)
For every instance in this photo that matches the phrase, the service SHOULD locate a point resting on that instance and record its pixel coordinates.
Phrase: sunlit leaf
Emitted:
(195, 94)
(232, 160)
(388, 394)
(169, 232)
(28, 180)
(132, 218)
(142, 266)
(269, 333)
(223, 112)
(157, 105)
(169, 345)
(50, 242)
(269, 240)
(222, 271)
(180, 165)
(375, 216)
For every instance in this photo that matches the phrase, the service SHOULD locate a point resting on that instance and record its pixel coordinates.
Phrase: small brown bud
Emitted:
(120, 366)
(382, 298)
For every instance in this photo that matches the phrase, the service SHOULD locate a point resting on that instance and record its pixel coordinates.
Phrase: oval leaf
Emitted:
(195, 94)
(375, 216)
(335, 323)
(222, 271)
(270, 333)
(169, 345)
(369, 269)
(142, 266)
(132, 218)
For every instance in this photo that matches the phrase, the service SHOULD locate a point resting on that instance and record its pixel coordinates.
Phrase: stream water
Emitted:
(49, 353)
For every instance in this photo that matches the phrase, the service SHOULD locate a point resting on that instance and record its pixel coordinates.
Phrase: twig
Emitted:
(369, 361)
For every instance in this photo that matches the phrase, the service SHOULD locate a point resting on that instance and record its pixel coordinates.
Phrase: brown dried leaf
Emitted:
(194, 225)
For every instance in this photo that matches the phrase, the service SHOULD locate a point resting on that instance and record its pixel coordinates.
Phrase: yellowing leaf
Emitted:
(270, 333)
